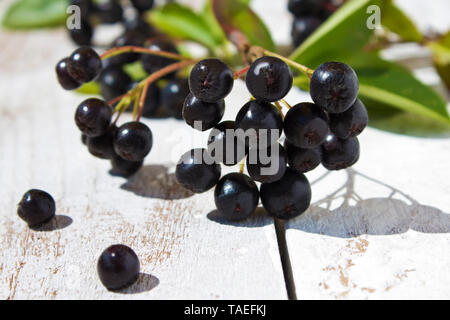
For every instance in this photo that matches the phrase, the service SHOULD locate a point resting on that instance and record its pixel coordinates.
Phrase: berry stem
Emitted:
(293, 64)
(241, 166)
(144, 84)
(128, 49)
(286, 103)
(241, 72)
(280, 108)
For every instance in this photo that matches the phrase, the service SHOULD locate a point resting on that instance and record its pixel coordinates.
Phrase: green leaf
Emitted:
(27, 14)
(341, 36)
(390, 84)
(210, 19)
(240, 16)
(182, 22)
(441, 57)
(396, 21)
(90, 88)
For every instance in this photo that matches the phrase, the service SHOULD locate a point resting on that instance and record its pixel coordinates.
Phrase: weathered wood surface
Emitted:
(378, 245)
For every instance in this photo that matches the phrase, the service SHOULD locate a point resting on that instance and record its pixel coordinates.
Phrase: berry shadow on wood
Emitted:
(57, 223)
(259, 218)
(144, 283)
(155, 181)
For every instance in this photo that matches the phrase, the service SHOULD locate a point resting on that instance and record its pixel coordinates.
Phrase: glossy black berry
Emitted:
(202, 115)
(143, 5)
(109, 11)
(288, 197)
(152, 101)
(303, 27)
(133, 141)
(172, 97)
(140, 26)
(84, 138)
(84, 65)
(269, 79)
(114, 81)
(339, 153)
(334, 87)
(64, 78)
(82, 36)
(224, 146)
(124, 168)
(267, 165)
(236, 196)
(306, 125)
(211, 80)
(153, 63)
(102, 146)
(118, 267)
(197, 171)
(93, 117)
(260, 118)
(351, 122)
(305, 7)
(36, 207)
(302, 160)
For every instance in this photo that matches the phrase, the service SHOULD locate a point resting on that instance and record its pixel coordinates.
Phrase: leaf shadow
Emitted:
(155, 181)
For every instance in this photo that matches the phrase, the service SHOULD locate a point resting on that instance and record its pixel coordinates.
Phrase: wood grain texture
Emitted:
(186, 251)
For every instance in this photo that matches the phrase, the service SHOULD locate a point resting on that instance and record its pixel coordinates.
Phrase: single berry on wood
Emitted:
(93, 117)
(288, 197)
(269, 79)
(36, 207)
(211, 80)
(118, 267)
(202, 115)
(197, 171)
(236, 196)
(306, 125)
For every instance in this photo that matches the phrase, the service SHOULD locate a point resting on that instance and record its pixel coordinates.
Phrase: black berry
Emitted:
(302, 160)
(173, 96)
(306, 125)
(236, 196)
(142, 5)
(36, 207)
(197, 171)
(351, 122)
(109, 11)
(262, 119)
(265, 165)
(152, 101)
(139, 26)
(82, 36)
(102, 146)
(124, 168)
(64, 78)
(153, 63)
(118, 267)
(303, 27)
(202, 115)
(288, 197)
(93, 117)
(224, 146)
(114, 82)
(334, 87)
(339, 153)
(269, 79)
(129, 38)
(305, 7)
(84, 65)
(133, 141)
(86, 7)
(211, 80)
